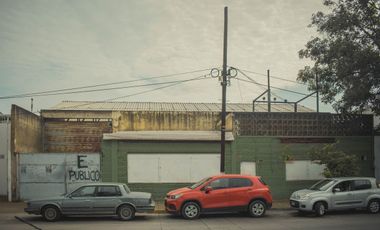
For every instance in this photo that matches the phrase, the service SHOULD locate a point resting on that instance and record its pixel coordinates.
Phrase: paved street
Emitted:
(275, 219)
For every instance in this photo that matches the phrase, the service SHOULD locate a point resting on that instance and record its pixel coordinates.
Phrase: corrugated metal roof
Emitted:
(173, 106)
(168, 135)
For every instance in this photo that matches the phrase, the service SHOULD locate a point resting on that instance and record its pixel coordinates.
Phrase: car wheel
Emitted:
(51, 213)
(190, 210)
(373, 206)
(257, 208)
(126, 212)
(320, 209)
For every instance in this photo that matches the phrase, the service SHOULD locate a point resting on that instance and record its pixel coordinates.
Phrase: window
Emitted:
(362, 184)
(345, 186)
(84, 192)
(108, 191)
(219, 183)
(239, 182)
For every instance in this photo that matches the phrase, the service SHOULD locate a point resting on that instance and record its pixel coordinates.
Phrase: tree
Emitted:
(346, 55)
(338, 163)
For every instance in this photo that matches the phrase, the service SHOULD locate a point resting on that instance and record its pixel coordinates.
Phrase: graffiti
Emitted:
(83, 173)
(77, 175)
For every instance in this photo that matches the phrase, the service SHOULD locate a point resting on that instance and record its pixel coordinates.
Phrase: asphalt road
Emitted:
(275, 219)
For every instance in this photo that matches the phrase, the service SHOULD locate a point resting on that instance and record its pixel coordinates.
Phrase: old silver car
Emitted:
(94, 199)
(338, 194)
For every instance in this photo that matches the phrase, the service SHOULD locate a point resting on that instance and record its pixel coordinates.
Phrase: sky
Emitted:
(49, 45)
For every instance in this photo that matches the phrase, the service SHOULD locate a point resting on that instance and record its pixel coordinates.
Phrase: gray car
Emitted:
(338, 194)
(94, 199)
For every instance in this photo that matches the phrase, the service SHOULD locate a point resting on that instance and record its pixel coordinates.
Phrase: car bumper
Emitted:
(32, 210)
(149, 208)
(172, 206)
(301, 205)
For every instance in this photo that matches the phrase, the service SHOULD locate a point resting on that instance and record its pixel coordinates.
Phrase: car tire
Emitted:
(126, 212)
(190, 211)
(51, 213)
(257, 208)
(320, 209)
(373, 206)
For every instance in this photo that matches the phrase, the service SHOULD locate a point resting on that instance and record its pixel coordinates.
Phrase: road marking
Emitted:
(27, 222)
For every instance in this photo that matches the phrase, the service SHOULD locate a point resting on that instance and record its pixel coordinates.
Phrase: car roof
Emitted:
(234, 175)
(103, 183)
(352, 178)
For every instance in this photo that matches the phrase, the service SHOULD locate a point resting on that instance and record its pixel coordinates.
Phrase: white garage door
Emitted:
(171, 168)
(303, 170)
(248, 168)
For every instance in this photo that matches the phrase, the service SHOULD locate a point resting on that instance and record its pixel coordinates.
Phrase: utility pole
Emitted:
(224, 93)
(317, 88)
(31, 104)
(269, 99)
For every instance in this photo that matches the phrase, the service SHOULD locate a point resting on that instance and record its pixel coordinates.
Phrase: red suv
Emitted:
(223, 193)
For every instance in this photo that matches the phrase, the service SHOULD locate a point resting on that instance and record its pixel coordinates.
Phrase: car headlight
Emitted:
(174, 197)
(304, 197)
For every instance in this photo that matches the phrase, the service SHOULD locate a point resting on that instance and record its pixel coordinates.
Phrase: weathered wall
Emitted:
(74, 136)
(26, 131)
(26, 137)
(5, 141)
(137, 121)
(269, 154)
(114, 160)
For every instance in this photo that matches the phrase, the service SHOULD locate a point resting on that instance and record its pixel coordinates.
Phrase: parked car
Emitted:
(338, 194)
(222, 193)
(94, 199)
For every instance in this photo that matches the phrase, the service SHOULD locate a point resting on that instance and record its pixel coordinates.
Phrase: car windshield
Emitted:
(322, 185)
(199, 183)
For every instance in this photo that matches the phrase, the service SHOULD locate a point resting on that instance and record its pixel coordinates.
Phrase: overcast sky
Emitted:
(46, 45)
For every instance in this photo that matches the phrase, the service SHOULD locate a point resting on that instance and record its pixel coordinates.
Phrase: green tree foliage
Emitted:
(338, 163)
(346, 54)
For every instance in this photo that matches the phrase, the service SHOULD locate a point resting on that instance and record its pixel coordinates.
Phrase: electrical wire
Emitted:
(50, 92)
(275, 77)
(202, 77)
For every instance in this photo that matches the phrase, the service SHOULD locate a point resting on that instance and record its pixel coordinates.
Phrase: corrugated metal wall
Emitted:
(42, 175)
(74, 136)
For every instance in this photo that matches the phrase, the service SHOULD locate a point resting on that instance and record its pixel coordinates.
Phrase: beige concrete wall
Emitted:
(139, 121)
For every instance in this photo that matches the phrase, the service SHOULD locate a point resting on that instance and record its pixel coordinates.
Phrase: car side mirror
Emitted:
(208, 189)
(336, 190)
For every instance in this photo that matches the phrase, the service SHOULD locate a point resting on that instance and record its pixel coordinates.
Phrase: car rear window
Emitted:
(108, 191)
(362, 184)
(239, 182)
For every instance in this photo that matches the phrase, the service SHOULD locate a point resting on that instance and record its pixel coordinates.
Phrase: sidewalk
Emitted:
(17, 207)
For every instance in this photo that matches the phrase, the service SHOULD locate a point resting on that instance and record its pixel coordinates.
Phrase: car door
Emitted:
(217, 198)
(362, 189)
(79, 201)
(238, 192)
(344, 198)
(106, 200)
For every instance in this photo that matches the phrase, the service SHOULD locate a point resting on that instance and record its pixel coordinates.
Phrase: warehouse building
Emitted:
(156, 147)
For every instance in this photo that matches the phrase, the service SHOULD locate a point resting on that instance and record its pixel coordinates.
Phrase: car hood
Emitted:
(140, 195)
(303, 192)
(178, 191)
(55, 198)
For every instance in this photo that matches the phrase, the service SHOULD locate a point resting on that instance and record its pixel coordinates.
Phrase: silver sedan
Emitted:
(94, 199)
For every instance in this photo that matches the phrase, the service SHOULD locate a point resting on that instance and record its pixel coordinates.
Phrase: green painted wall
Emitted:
(267, 152)
(114, 160)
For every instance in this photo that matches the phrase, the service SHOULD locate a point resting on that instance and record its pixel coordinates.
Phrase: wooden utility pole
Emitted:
(224, 94)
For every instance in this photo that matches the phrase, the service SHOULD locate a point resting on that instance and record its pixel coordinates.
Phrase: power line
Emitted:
(286, 90)
(49, 92)
(139, 93)
(279, 78)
